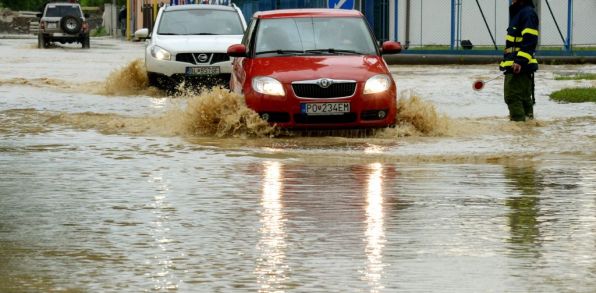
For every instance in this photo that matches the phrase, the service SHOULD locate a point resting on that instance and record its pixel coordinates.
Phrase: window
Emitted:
(63, 10)
(200, 22)
(301, 34)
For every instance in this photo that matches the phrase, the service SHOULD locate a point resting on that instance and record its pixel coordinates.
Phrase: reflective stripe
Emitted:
(506, 63)
(530, 31)
(511, 50)
(510, 63)
(525, 55)
(514, 39)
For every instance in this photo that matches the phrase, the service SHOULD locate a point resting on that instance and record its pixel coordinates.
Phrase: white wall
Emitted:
(430, 22)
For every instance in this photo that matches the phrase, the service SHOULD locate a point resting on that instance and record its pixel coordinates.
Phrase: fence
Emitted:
(565, 25)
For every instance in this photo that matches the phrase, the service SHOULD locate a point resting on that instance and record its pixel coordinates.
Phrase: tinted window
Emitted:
(339, 33)
(199, 22)
(63, 10)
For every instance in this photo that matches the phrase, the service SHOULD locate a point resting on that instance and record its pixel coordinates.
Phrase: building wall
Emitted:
(430, 20)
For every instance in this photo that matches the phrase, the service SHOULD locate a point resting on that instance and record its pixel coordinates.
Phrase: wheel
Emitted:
(85, 42)
(71, 24)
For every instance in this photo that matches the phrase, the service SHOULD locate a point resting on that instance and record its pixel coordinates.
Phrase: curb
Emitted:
(446, 59)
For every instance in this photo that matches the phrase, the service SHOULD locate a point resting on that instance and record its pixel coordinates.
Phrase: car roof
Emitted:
(63, 4)
(321, 12)
(199, 6)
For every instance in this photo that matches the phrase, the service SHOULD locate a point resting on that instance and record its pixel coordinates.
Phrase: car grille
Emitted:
(313, 90)
(194, 58)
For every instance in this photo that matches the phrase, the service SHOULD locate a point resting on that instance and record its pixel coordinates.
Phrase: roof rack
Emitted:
(214, 2)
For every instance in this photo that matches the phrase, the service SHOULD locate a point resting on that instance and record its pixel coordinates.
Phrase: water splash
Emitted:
(221, 113)
(131, 79)
(416, 117)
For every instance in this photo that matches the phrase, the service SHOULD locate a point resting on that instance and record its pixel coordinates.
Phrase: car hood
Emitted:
(296, 68)
(176, 44)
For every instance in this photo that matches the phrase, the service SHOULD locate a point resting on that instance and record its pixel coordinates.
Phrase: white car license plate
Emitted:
(325, 108)
(205, 70)
(51, 25)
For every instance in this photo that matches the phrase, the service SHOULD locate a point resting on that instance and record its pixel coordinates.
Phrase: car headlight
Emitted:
(160, 54)
(268, 86)
(376, 84)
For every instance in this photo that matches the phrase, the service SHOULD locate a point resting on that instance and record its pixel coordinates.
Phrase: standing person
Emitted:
(519, 63)
(122, 17)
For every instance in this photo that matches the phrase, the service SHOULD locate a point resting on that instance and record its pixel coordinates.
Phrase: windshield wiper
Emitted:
(168, 34)
(281, 52)
(202, 34)
(334, 51)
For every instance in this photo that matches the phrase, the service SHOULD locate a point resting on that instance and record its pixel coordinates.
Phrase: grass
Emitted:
(586, 76)
(99, 32)
(575, 95)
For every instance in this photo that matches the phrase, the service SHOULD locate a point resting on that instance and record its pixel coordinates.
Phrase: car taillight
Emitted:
(85, 27)
(42, 25)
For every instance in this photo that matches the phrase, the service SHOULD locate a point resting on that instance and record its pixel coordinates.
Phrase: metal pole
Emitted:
(487, 27)
(396, 28)
(408, 23)
(569, 24)
(129, 7)
(557, 25)
(113, 19)
(452, 42)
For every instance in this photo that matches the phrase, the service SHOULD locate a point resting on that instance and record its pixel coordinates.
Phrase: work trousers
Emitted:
(518, 96)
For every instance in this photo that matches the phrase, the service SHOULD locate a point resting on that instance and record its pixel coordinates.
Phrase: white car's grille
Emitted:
(202, 58)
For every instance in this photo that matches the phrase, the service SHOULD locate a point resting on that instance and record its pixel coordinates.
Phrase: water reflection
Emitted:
(375, 230)
(271, 267)
(524, 209)
(163, 278)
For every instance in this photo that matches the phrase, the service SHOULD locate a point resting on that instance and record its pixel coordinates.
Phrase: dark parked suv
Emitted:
(64, 23)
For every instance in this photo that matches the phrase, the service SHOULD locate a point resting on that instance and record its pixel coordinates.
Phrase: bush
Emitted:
(99, 32)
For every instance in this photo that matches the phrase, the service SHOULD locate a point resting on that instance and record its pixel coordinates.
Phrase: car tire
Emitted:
(86, 42)
(71, 24)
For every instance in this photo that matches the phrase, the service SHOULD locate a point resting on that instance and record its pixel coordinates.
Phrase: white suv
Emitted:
(190, 42)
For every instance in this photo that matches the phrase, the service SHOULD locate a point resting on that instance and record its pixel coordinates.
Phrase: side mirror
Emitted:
(391, 47)
(237, 50)
(86, 15)
(39, 15)
(142, 33)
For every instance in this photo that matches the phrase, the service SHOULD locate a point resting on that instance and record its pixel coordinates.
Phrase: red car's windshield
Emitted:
(314, 35)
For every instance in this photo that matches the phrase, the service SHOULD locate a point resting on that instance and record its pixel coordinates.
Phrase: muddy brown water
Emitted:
(107, 185)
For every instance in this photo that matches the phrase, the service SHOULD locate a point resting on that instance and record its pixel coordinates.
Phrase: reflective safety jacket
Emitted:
(522, 38)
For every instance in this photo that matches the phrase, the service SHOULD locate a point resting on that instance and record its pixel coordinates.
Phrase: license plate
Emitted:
(325, 108)
(205, 70)
(51, 25)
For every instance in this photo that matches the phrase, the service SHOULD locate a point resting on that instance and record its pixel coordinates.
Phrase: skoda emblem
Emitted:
(325, 83)
(203, 58)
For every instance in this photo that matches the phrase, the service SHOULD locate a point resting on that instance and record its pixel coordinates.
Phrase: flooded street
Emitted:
(107, 185)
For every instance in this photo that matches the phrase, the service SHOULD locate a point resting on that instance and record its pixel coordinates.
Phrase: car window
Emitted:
(200, 22)
(302, 34)
(62, 10)
(249, 32)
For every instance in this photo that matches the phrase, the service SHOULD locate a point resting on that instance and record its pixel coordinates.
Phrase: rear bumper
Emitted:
(62, 37)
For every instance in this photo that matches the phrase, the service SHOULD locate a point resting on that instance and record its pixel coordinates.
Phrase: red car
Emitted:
(314, 68)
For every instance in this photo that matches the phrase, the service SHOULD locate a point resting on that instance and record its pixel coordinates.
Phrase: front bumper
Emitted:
(285, 111)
